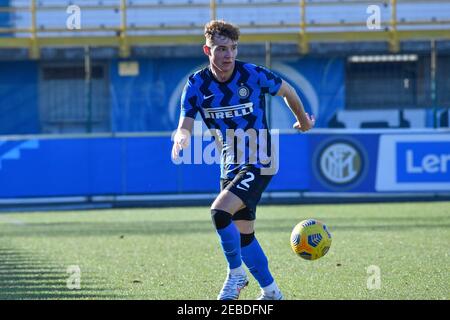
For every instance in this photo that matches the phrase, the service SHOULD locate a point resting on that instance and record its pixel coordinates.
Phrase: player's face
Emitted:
(223, 53)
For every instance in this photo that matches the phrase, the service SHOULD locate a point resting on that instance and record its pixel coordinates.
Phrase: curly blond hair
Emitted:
(221, 28)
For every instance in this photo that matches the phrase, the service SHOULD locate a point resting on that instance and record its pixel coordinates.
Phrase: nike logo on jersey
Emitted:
(238, 110)
(207, 97)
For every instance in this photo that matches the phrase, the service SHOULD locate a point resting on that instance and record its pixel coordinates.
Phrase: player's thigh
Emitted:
(228, 202)
(248, 185)
(245, 226)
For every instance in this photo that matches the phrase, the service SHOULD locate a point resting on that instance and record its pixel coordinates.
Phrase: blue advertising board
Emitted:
(343, 162)
(414, 162)
(335, 163)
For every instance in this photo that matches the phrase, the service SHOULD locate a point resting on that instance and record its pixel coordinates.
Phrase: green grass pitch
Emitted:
(174, 253)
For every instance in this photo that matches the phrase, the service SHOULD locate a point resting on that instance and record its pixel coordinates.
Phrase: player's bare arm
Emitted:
(304, 121)
(182, 136)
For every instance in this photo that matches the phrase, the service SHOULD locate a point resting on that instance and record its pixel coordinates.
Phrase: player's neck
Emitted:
(221, 76)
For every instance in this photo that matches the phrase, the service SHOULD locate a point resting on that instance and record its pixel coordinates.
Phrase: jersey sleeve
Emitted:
(269, 81)
(189, 98)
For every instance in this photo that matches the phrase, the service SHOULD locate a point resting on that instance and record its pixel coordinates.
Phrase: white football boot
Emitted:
(232, 286)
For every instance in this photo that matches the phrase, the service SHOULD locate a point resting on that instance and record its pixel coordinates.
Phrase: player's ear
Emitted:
(206, 50)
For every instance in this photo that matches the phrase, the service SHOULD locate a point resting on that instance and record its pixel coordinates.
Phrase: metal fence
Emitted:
(36, 24)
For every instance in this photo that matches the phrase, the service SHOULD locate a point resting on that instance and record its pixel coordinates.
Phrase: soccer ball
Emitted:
(310, 239)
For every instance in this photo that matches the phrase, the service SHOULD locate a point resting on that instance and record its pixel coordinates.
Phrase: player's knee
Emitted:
(220, 218)
(247, 238)
(244, 223)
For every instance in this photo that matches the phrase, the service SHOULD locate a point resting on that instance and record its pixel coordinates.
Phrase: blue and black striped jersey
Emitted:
(237, 104)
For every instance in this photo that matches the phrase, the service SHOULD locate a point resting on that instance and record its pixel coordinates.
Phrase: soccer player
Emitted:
(229, 95)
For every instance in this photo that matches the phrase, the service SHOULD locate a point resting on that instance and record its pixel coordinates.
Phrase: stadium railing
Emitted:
(35, 24)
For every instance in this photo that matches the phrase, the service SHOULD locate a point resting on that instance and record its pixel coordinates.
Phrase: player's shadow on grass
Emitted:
(28, 276)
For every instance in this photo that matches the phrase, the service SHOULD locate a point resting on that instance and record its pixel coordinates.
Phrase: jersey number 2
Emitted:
(243, 185)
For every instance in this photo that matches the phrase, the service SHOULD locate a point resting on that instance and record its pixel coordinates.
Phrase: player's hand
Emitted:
(306, 123)
(180, 141)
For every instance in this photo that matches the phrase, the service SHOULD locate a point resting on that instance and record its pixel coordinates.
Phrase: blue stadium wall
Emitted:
(5, 17)
(316, 163)
(155, 92)
(19, 110)
(149, 101)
